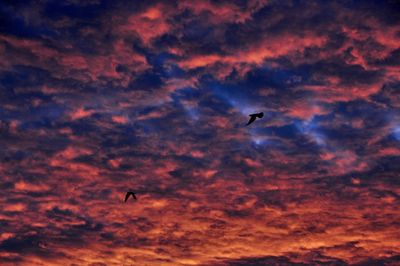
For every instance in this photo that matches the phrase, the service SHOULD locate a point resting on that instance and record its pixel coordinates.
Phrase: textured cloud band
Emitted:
(101, 97)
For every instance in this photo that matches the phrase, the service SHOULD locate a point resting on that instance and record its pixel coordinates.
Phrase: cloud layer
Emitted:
(104, 96)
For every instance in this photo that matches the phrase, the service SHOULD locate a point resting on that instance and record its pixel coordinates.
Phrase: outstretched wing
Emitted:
(252, 119)
(127, 196)
(134, 196)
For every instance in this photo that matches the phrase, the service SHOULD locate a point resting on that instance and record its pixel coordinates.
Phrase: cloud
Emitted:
(101, 97)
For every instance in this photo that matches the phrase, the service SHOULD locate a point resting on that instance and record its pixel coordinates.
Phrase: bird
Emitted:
(253, 117)
(128, 194)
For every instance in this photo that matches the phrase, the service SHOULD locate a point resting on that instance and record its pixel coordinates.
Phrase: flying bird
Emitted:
(253, 117)
(128, 194)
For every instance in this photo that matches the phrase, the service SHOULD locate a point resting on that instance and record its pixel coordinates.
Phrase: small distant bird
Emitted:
(253, 117)
(128, 194)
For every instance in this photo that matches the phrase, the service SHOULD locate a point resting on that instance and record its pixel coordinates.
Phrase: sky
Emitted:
(101, 97)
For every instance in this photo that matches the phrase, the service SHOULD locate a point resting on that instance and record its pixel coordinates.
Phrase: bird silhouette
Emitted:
(253, 117)
(128, 194)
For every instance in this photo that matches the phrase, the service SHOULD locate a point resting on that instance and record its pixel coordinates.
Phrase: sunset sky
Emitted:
(99, 97)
